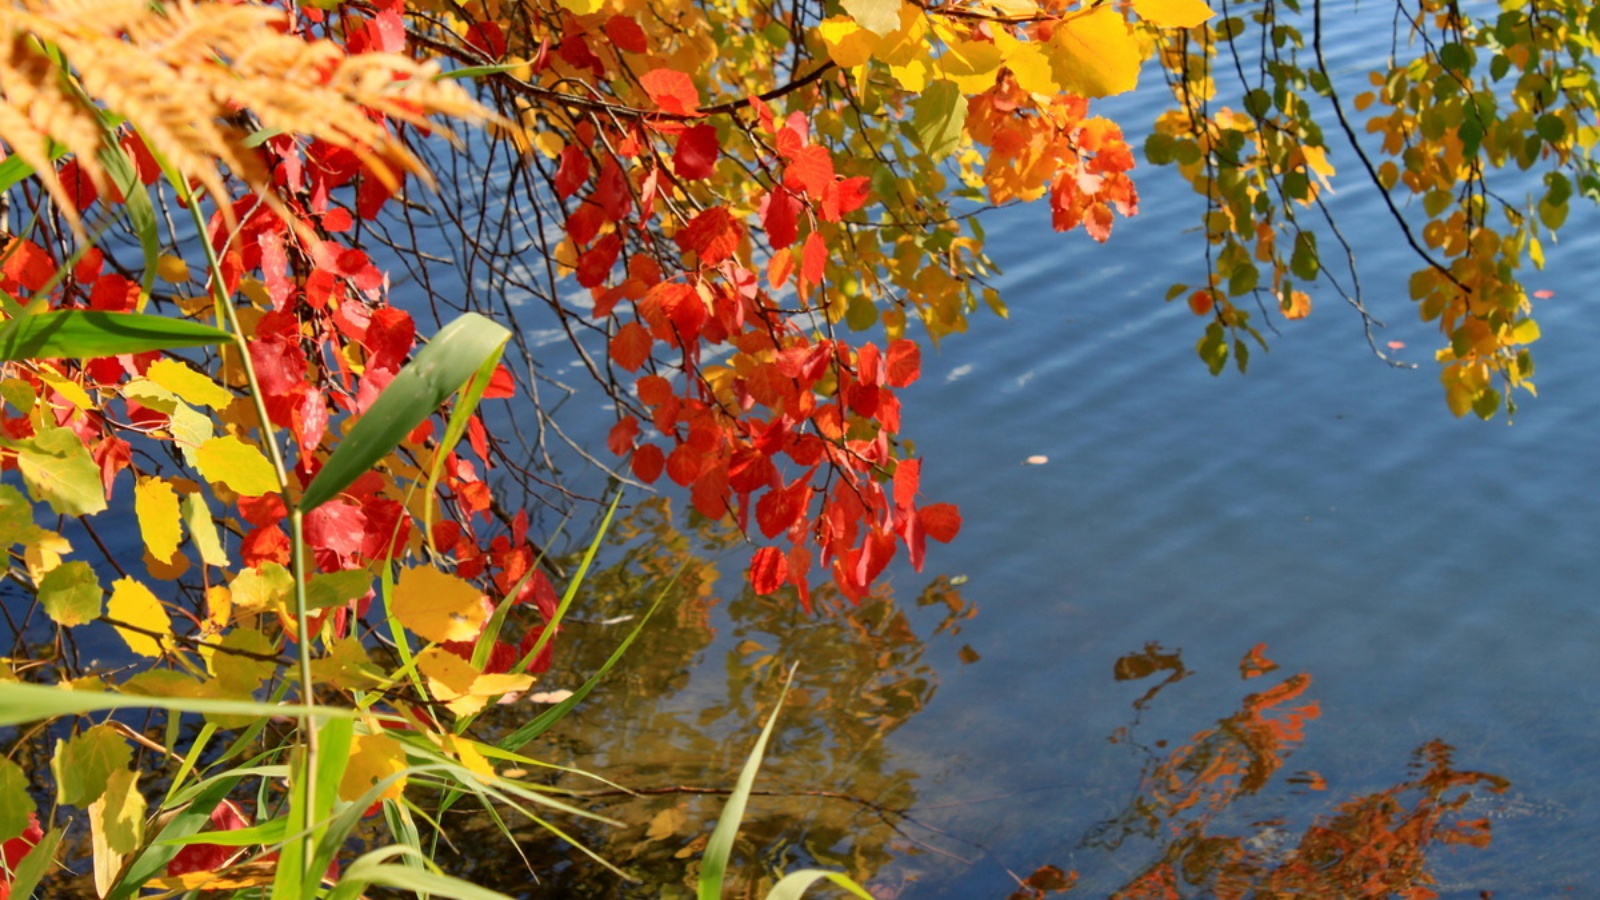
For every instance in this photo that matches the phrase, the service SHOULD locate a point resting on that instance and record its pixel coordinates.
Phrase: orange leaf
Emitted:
(630, 346)
(811, 169)
(813, 259)
(672, 90)
(713, 235)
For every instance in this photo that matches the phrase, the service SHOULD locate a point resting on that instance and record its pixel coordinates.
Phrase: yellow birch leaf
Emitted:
(436, 606)
(1029, 64)
(880, 17)
(42, 553)
(461, 688)
(1297, 305)
(155, 504)
(172, 269)
(581, 7)
(1094, 54)
(264, 588)
(116, 826)
(219, 607)
(197, 515)
(549, 143)
(467, 753)
(849, 45)
(239, 466)
(133, 604)
(373, 757)
(971, 65)
(1172, 13)
(66, 387)
(1316, 159)
(191, 386)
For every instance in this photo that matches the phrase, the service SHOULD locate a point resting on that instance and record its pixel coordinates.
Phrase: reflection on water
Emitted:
(1221, 814)
(670, 727)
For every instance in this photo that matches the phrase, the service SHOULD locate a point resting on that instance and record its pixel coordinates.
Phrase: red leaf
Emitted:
(487, 38)
(572, 171)
(904, 363)
(779, 268)
(626, 34)
(672, 90)
(713, 235)
(16, 848)
(813, 259)
(907, 478)
(942, 521)
(768, 570)
(780, 211)
(779, 508)
(113, 293)
(334, 531)
(501, 384)
(595, 263)
(684, 465)
(648, 460)
(620, 439)
(696, 154)
(853, 193)
(630, 346)
(811, 168)
(28, 264)
(210, 857)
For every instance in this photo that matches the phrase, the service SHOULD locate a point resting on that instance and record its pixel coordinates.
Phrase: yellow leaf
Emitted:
(1172, 13)
(133, 604)
(347, 666)
(666, 823)
(1316, 159)
(155, 504)
(1525, 332)
(549, 143)
(461, 688)
(1027, 62)
(438, 607)
(191, 386)
(581, 7)
(66, 387)
(971, 65)
(262, 589)
(219, 607)
(239, 466)
(849, 45)
(1094, 54)
(172, 269)
(197, 515)
(1297, 305)
(116, 826)
(373, 757)
(467, 753)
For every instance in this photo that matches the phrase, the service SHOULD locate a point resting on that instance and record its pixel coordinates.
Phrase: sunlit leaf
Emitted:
(437, 606)
(203, 530)
(183, 381)
(373, 757)
(1094, 54)
(155, 504)
(116, 826)
(939, 118)
(238, 466)
(133, 604)
(881, 17)
(83, 763)
(59, 471)
(70, 594)
(1172, 13)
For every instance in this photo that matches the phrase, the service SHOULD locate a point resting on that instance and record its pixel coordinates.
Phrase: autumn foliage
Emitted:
(748, 224)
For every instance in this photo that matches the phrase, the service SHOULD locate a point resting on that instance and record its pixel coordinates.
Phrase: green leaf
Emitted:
(15, 801)
(714, 864)
(328, 589)
(59, 471)
(203, 530)
(85, 334)
(83, 764)
(71, 594)
(1305, 263)
(452, 357)
(37, 863)
(939, 118)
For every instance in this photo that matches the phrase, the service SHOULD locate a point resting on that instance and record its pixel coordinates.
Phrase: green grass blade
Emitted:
(84, 333)
(795, 884)
(453, 356)
(714, 864)
(141, 212)
(35, 865)
(22, 703)
(454, 429)
(152, 861)
(371, 869)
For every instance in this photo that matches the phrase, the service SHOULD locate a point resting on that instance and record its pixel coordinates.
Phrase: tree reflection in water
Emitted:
(672, 724)
(1370, 846)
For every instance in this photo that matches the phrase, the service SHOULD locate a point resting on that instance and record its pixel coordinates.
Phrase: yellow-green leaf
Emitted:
(15, 801)
(1094, 54)
(155, 504)
(877, 16)
(1172, 13)
(59, 471)
(192, 386)
(264, 588)
(460, 687)
(939, 117)
(116, 826)
(83, 764)
(197, 515)
(70, 594)
(347, 666)
(237, 465)
(436, 606)
(133, 604)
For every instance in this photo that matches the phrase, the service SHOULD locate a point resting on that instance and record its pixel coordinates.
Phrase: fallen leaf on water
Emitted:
(1544, 294)
(1397, 345)
(549, 696)
(1038, 460)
